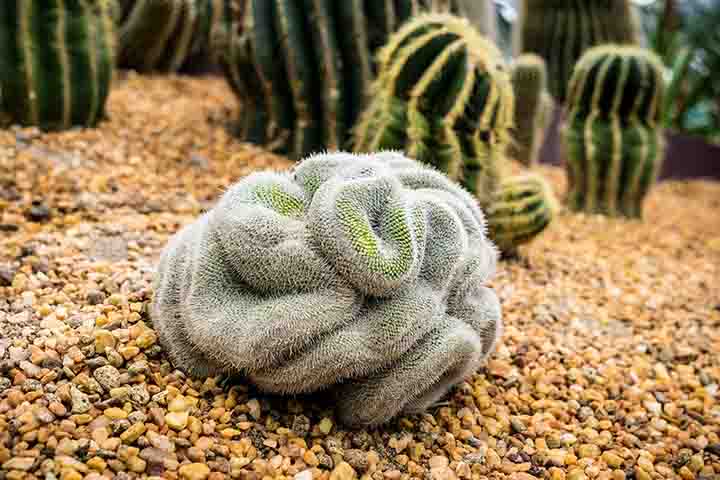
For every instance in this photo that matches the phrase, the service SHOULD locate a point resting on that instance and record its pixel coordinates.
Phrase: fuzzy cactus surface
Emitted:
(56, 62)
(533, 108)
(362, 275)
(162, 35)
(522, 207)
(443, 95)
(613, 138)
(560, 31)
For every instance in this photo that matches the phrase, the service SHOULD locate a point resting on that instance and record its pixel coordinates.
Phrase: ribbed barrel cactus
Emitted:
(533, 108)
(361, 275)
(560, 31)
(444, 96)
(161, 35)
(56, 62)
(613, 137)
(522, 207)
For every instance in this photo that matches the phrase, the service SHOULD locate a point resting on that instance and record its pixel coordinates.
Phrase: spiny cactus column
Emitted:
(612, 137)
(561, 30)
(161, 35)
(443, 96)
(56, 62)
(529, 77)
(302, 68)
(521, 208)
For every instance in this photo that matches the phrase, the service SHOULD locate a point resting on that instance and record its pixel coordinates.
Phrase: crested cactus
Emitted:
(522, 207)
(442, 95)
(363, 275)
(162, 35)
(612, 136)
(560, 31)
(56, 62)
(533, 108)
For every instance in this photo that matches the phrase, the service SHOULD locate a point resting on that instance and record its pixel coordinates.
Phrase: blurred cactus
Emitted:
(613, 136)
(560, 31)
(533, 108)
(302, 68)
(522, 207)
(443, 96)
(56, 62)
(162, 35)
(481, 13)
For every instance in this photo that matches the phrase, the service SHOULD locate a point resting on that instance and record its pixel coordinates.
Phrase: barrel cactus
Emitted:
(444, 96)
(522, 207)
(56, 62)
(613, 137)
(163, 35)
(560, 31)
(533, 108)
(360, 275)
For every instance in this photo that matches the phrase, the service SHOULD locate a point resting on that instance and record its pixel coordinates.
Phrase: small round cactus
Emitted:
(364, 275)
(613, 137)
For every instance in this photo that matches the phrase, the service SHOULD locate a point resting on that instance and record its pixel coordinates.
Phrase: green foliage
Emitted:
(443, 95)
(533, 108)
(56, 62)
(686, 37)
(560, 31)
(163, 35)
(522, 207)
(613, 135)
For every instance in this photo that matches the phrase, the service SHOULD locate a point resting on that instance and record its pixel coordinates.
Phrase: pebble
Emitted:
(80, 401)
(177, 420)
(108, 377)
(343, 471)
(194, 471)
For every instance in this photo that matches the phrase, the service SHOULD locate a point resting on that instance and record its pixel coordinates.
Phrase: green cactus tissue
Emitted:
(364, 275)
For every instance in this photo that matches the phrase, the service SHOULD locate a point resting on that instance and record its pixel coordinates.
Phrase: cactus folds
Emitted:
(362, 275)
(444, 97)
(56, 62)
(521, 208)
(612, 137)
(560, 31)
(533, 108)
(161, 35)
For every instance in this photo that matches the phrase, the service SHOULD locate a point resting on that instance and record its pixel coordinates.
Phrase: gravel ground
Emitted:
(608, 369)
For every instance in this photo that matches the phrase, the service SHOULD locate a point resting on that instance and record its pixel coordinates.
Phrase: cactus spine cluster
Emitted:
(561, 30)
(443, 96)
(162, 35)
(521, 208)
(533, 108)
(56, 62)
(613, 137)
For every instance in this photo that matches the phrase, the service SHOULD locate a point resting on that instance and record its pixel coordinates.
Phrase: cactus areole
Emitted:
(360, 274)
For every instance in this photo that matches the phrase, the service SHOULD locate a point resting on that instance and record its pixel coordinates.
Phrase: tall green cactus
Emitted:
(561, 30)
(533, 108)
(521, 208)
(56, 62)
(613, 137)
(162, 35)
(442, 95)
(301, 68)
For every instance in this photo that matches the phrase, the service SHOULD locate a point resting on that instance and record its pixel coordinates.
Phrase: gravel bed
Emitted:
(608, 369)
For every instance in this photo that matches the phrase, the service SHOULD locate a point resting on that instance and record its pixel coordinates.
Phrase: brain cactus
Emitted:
(442, 95)
(561, 30)
(56, 62)
(363, 275)
(613, 138)
(533, 107)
